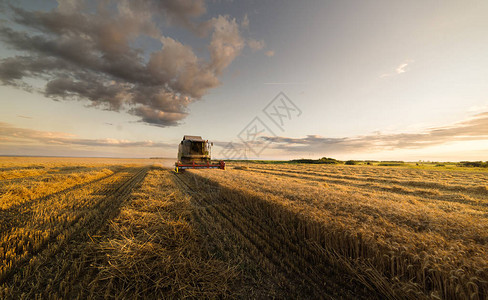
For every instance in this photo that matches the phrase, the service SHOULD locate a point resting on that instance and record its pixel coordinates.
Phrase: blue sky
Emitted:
(372, 79)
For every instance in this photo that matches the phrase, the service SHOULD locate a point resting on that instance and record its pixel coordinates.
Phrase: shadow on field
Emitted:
(290, 247)
(314, 252)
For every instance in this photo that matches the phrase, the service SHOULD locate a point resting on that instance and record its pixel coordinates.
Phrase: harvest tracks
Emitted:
(102, 230)
(406, 233)
(236, 229)
(45, 243)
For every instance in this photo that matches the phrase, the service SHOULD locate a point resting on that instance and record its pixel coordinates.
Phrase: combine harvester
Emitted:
(195, 153)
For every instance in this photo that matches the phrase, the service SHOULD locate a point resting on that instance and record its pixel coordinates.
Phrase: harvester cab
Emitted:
(195, 153)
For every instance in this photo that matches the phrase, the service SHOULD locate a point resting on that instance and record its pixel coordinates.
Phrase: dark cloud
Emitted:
(13, 69)
(10, 134)
(90, 56)
(152, 116)
(475, 128)
(185, 13)
(182, 10)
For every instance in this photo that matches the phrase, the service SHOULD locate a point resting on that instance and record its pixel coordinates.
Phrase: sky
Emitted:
(380, 80)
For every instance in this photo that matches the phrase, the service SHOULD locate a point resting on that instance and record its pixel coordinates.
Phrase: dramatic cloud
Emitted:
(475, 128)
(91, 55)
(10, 134)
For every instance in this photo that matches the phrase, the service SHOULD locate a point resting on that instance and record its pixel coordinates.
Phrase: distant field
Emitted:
(119, 228)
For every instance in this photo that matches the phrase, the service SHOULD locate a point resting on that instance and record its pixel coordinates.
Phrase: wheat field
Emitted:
(131, 228)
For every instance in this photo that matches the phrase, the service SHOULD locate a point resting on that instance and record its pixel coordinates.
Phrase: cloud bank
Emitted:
(473, 129)
(91, 55)
(14, 135)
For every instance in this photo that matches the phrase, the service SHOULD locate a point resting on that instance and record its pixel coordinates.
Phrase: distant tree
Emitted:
(328, 160)
(474, 164)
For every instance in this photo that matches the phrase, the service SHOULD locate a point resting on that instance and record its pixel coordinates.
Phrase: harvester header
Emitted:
(195, 153)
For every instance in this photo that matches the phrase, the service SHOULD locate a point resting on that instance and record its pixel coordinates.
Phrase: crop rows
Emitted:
(125, 235)
(269, 241)
(99, 229)
(33, 241)
(13, 193)
(475, 196)
(416, 243)
(153, 250)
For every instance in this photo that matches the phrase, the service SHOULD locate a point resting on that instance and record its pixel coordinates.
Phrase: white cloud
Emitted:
(402, 68)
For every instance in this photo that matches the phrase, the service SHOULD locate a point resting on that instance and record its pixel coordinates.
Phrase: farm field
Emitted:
(122, 228)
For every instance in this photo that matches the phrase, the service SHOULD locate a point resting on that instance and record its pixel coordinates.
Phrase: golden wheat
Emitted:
(116, 228)
(414, 238)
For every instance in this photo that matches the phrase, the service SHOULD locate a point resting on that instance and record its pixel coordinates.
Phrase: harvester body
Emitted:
(195, 153)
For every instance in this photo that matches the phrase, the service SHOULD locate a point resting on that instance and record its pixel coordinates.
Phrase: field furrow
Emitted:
(51, 226)
(412, 232)
(152, 249)
(217, 225)
(477, 201)
(15, 195)
(17, 215)
(254, 231)
(478, 189)
(48, 174)
(292, 258)
(465, 177)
